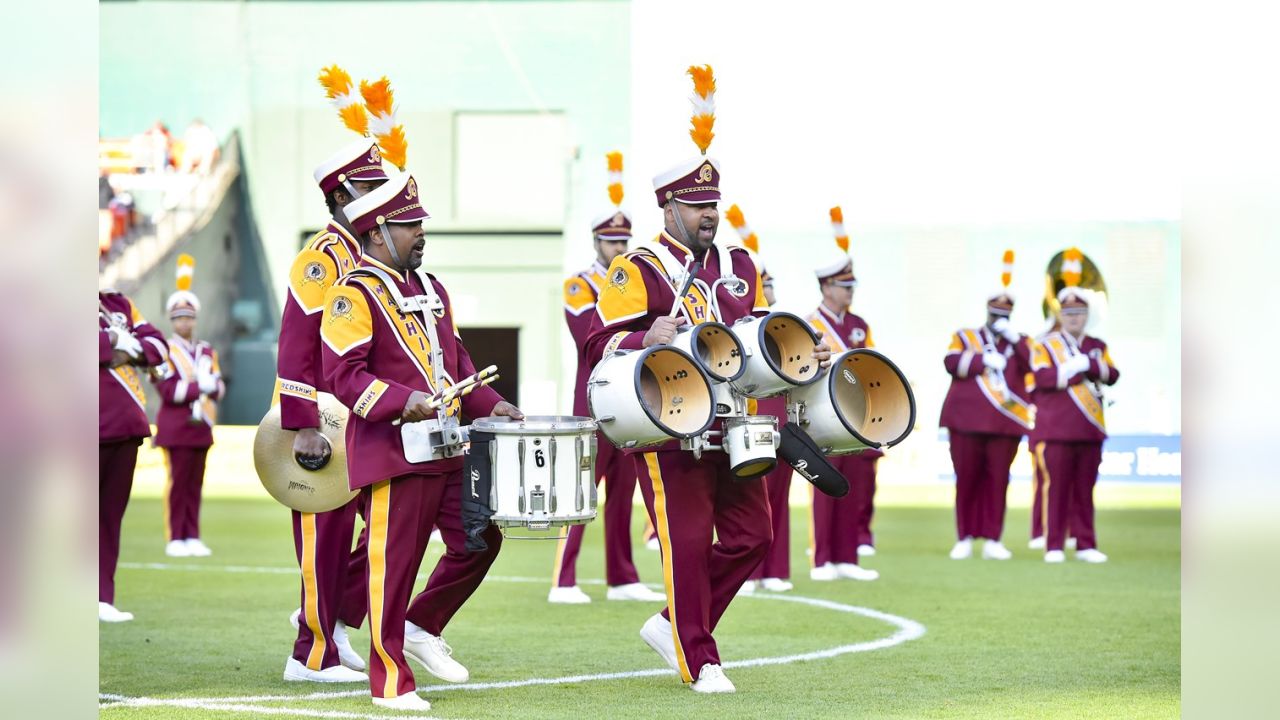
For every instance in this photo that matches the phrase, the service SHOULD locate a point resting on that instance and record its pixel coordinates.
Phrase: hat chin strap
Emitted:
(351, 188)
(684, 232)
(391, 248)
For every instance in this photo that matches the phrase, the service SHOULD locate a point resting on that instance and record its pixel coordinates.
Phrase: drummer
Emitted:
(692, 499)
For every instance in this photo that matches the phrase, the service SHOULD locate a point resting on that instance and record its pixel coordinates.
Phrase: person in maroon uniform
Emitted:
(189, 390)
(986, 413)
(611, 233)
(333, 574)
(774, 572)
(126, 341)
(713, 529)
(840, 530)
(384, 361)
(1071, 368)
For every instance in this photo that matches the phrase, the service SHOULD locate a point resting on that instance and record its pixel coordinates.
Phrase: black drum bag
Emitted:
(803, 454)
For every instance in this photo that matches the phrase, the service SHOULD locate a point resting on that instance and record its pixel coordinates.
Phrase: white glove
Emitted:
(208, 382)
(1077, 364)
(1001, 327)
(994, 360)
(128, 344)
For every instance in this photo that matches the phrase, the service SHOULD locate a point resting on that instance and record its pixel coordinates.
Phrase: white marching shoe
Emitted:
(1091, 555)
(347, 655)
(1037, 543)
(197, 548)
(1055, 556)
(995, 550)
(656, 633)
(855, 572)
(776, 585)
(177, 548)
(962, 549)
(408, 702)
(433, 653)
(108, 613)
(293, 618)
(711, 679)
(634, 591)
(295, 671)
(571, 595)
(866, 550)
(747, 588)
(823, 573)
(653, 544)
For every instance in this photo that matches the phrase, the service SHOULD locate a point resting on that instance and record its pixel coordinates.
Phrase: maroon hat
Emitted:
(1072, 300)
(1000, 304)
(693, 182)
(358, 161)
(396, 201)
(615, 225)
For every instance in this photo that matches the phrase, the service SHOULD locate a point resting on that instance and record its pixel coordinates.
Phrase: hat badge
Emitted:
(412, 190)
(617, 220)
(374, 155)
(704, 174)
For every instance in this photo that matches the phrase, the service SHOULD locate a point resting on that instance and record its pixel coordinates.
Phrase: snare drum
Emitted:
(541, 470)
(779, 354)
(863, 402)
(751, 443)
(647, 397)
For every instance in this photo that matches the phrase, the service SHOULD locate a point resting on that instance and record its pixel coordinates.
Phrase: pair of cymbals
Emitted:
(297, 482)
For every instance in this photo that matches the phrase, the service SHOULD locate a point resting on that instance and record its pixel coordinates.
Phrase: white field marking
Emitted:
(235, 707)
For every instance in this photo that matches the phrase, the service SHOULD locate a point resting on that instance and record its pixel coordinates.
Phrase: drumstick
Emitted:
(688, 282)
(450, 397)
(470, 379)
(467, 384)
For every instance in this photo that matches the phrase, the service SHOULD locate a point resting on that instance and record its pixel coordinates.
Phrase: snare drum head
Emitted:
(719, 351)
(674, 392)
(788, 344)
(872, 398)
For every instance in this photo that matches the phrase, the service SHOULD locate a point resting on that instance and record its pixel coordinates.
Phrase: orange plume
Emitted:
(336, 81)
(394, 146)
(1072, 266)
(704, 106)
(752, 243)
(837, 215)
(615, 161)
(734, 216)
(701, 131)
(615, 193)
(704, 80)
(1006, 276)
(378, 97)
(355, 118)
(185, 272)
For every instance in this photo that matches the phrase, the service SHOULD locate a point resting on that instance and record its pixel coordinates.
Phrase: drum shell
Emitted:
(877, 410)
(614, 399)
(751, 443)
(730, 360)
(293, 486)
(762, 376)
(558, 470)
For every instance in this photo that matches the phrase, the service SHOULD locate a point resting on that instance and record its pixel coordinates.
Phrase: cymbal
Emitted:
(292, 484)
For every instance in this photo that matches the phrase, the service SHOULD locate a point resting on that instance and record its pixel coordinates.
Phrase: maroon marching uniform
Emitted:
(840, 525)
(122, 425)
(184, 429)
(986, 413)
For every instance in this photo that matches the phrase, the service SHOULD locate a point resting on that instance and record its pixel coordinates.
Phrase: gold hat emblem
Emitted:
(374, 155)
(704, 175)
(617, 220)
(412, 191)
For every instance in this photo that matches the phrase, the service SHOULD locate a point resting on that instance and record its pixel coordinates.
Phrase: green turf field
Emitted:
(1012, 639)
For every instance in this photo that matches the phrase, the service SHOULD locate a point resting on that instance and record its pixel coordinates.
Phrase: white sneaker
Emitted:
(631, 591)
(108, 613)
(571, 595)
(995, 550)
(962, 549)
(408, 702)
(712, 680)
(855, 572)
(433, 653)
(776, 585)
(294, 618)
(347, 655)
(1070, 543)
(866, 550)
(1055, 556)
(197, 548)
(747, 588)
(1037, 543)
(177, 548)
(656, 633)
(1091, 555)
(823, 573)
(295, 671)
(653, 544)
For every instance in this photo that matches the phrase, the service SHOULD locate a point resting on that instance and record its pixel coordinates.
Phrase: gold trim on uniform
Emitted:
(369, 398)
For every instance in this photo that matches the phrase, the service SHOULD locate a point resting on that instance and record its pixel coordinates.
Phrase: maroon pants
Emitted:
(116, 461)
(402, 512)
(777, 561)
(1068, 473)
(982, 463)
(713, 530)
(333, 580)
(182, 492)
(619, 476)
(840, 525)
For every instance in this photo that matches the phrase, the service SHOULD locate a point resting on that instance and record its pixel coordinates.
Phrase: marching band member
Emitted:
(713, 529)
(125, 341)
(774, 572)
(841, 527)
(1070, 369)
(333, 590)
(611, 233)
(189, 391)
(986, 413)
(385, 364)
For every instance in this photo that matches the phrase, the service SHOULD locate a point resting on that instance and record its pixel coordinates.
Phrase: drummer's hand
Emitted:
(506, 409)
(822, 352)
(663, 330)
(308, 442)
(416, 407)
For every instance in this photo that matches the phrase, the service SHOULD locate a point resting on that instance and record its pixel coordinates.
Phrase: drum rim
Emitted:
(769, 361)
(711, 406)
(742, 351)
(831, 394)
(537, 424)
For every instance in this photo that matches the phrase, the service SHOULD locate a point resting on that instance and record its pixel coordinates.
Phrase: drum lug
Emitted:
(601, 381)
(521, 499)
(551, 451)
(606, 418)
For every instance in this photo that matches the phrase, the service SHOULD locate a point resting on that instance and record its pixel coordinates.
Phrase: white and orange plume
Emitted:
(185, 272)
(342, 93)
(1072, 267)
(1006, 274)
(739, 223)
(379, 101)
(837, 226)
(704, 106)
(615, 177)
